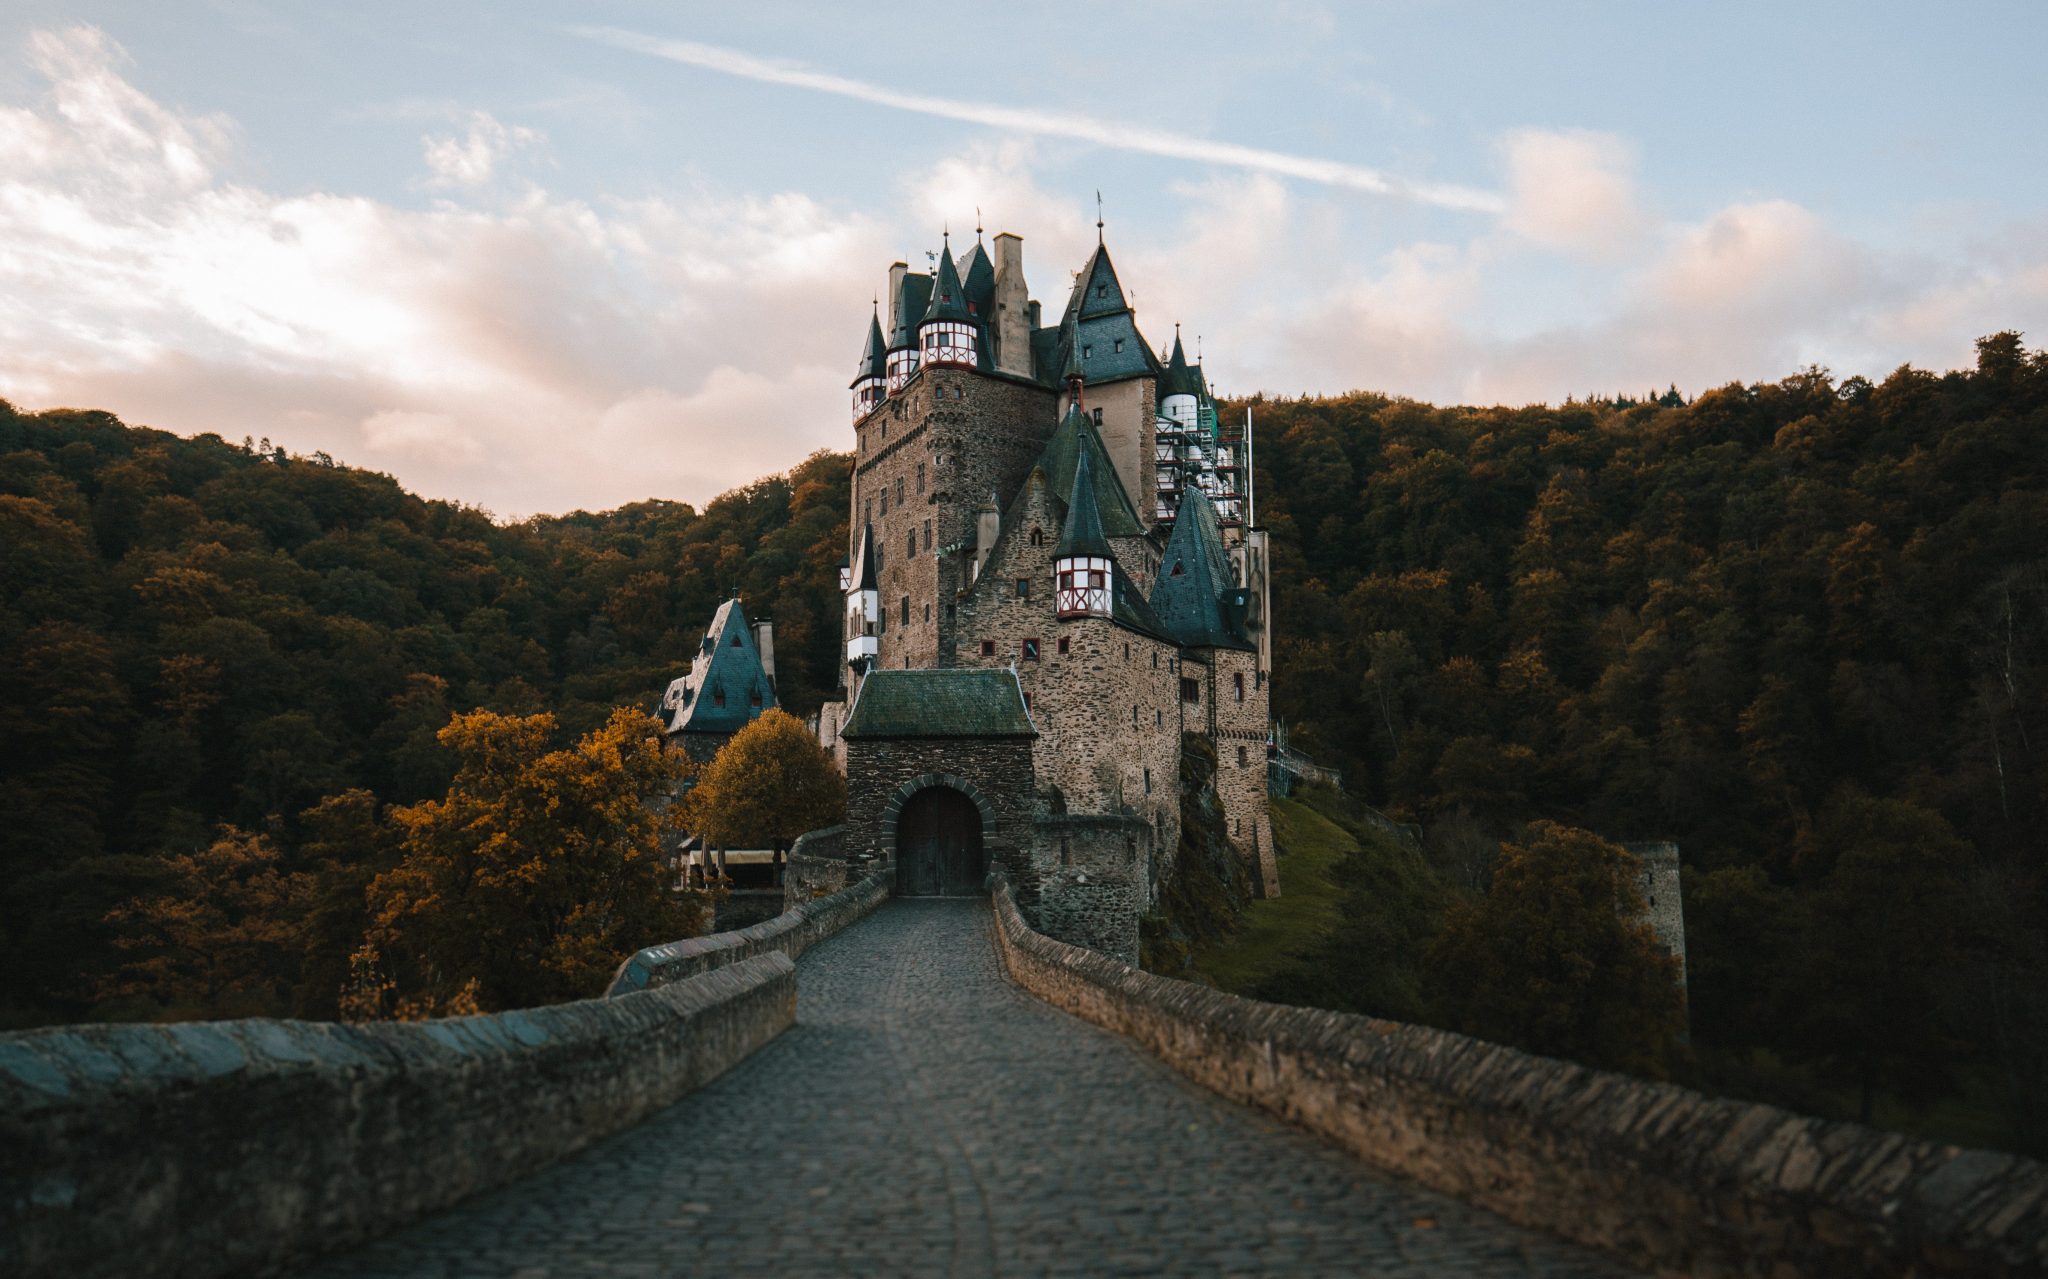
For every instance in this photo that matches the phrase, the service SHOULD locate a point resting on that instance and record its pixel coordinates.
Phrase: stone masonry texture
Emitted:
(240, 1147)
(927, 1117)
(1650, 1172)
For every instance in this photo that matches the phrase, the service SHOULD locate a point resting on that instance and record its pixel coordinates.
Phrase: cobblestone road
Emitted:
(925, 1117)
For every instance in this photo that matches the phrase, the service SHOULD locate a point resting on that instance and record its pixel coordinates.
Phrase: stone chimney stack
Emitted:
(1012, 320)
(897, 270)
(764, 639)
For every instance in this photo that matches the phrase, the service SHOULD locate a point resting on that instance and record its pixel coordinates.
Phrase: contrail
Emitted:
(1059, 124)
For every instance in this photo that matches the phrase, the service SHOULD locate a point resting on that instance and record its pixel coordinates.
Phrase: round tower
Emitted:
(1082, 569)
(1180, 389)
(949, 334)
(869, 380)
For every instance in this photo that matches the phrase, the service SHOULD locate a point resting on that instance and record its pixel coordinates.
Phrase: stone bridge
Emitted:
(936, 1090)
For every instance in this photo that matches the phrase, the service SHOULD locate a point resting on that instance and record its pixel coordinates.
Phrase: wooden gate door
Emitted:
(938, 845)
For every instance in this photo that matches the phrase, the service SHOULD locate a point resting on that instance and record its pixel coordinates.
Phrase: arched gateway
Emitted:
(939, 849)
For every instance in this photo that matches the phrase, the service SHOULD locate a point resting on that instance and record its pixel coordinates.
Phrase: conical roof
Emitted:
(978, 281)
(1073, 438)
(1194, 595)
(1181, 378)
(862, 575)
(874, 361)
(1082, 532)
(1097, 291)
(949, 300)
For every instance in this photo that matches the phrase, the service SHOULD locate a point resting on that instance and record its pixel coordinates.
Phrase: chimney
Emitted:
(897, 270)
(1013, 318)
(764, 639)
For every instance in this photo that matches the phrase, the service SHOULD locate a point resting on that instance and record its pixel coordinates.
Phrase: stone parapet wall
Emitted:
(789, 934)
(1657, 1174)
(247, 1147)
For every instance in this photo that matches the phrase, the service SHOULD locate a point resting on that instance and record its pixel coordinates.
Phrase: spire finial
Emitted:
(1098, 217)
(977, 224)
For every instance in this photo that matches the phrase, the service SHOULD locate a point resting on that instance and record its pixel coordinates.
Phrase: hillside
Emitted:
(195, 633)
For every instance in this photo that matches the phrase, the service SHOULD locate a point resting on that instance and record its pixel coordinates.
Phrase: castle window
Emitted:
(1134, 714)
(718, 695)
(1023, 588)
(1098, 417)
(927, 535)
(1119, 346)
(1087, 351)
(1238, 680)
(1190, 691)
(885, 425)
(951, 612)
(906, 610)
(867, 511)
(920, 477)
(899, 490)
(1240, 757)
(913, 546)
(1127, 650)
(1158, 719)
(1038, 537)
(1155, 661)
(1102, 290)
(1148, 781)
(1063, 646)
(885, 499)
(988, 648)
(1030, 650)
(927, 612)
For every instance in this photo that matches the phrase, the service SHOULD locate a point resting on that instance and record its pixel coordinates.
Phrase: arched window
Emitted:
(1038, 537)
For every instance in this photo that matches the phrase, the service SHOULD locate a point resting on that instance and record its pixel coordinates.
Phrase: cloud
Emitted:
(1571, 189)
(495, 355)
(1043, 123)
(472, 159)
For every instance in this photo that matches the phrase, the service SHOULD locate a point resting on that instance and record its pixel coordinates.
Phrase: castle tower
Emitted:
(909, 296)
(949, 333)
(863, 606)
(1082, 569)
(870, 378)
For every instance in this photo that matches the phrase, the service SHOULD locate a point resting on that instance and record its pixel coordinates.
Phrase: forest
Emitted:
(1798, 627)
(221, 663)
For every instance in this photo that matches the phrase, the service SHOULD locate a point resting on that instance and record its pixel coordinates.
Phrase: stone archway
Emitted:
(937, 826)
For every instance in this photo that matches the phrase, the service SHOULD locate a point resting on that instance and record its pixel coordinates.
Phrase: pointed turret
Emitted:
(863, 603)
(1082, 566)
(978, 282)
(1197, 596)
(1180, 387)
(870, 379)
(949, 333)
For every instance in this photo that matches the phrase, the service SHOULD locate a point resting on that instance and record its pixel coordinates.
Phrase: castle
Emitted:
(1053, 575)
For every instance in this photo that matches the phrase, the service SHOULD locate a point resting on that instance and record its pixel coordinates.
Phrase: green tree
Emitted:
(1557, 958)
(766, 786)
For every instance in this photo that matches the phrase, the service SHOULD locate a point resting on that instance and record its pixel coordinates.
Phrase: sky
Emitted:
(538, 257)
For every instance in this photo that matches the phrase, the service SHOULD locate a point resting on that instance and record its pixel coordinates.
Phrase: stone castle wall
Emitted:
(1236, 718)
(1663, 900)
(1129, 428)
(937, 449)
(1656, 1174)
(998, 768)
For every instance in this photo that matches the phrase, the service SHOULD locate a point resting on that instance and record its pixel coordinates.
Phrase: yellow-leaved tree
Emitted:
(532, 879)
(768, 785)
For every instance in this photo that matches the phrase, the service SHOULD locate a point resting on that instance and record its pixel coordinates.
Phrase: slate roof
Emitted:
(913, 296)
(1075, 435)
(1197, 597)
(978, 279)
(874, 360)
(948, 299)
(862, 577)
(1181, 377)
(953, 702)
(1081, 531)
(727, 662)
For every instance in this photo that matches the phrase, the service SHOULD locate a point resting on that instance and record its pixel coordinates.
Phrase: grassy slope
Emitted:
(1277, 931)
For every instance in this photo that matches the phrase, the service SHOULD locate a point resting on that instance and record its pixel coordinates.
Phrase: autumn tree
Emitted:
(1558, 959)
(222, 937)
(538, 872)
(769, 784)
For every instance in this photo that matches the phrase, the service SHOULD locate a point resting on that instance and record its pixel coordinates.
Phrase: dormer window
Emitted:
(735, 641)
(1102, 290)
(754, 700)
(717, 695)
(1087, 351)
(1119, 347)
